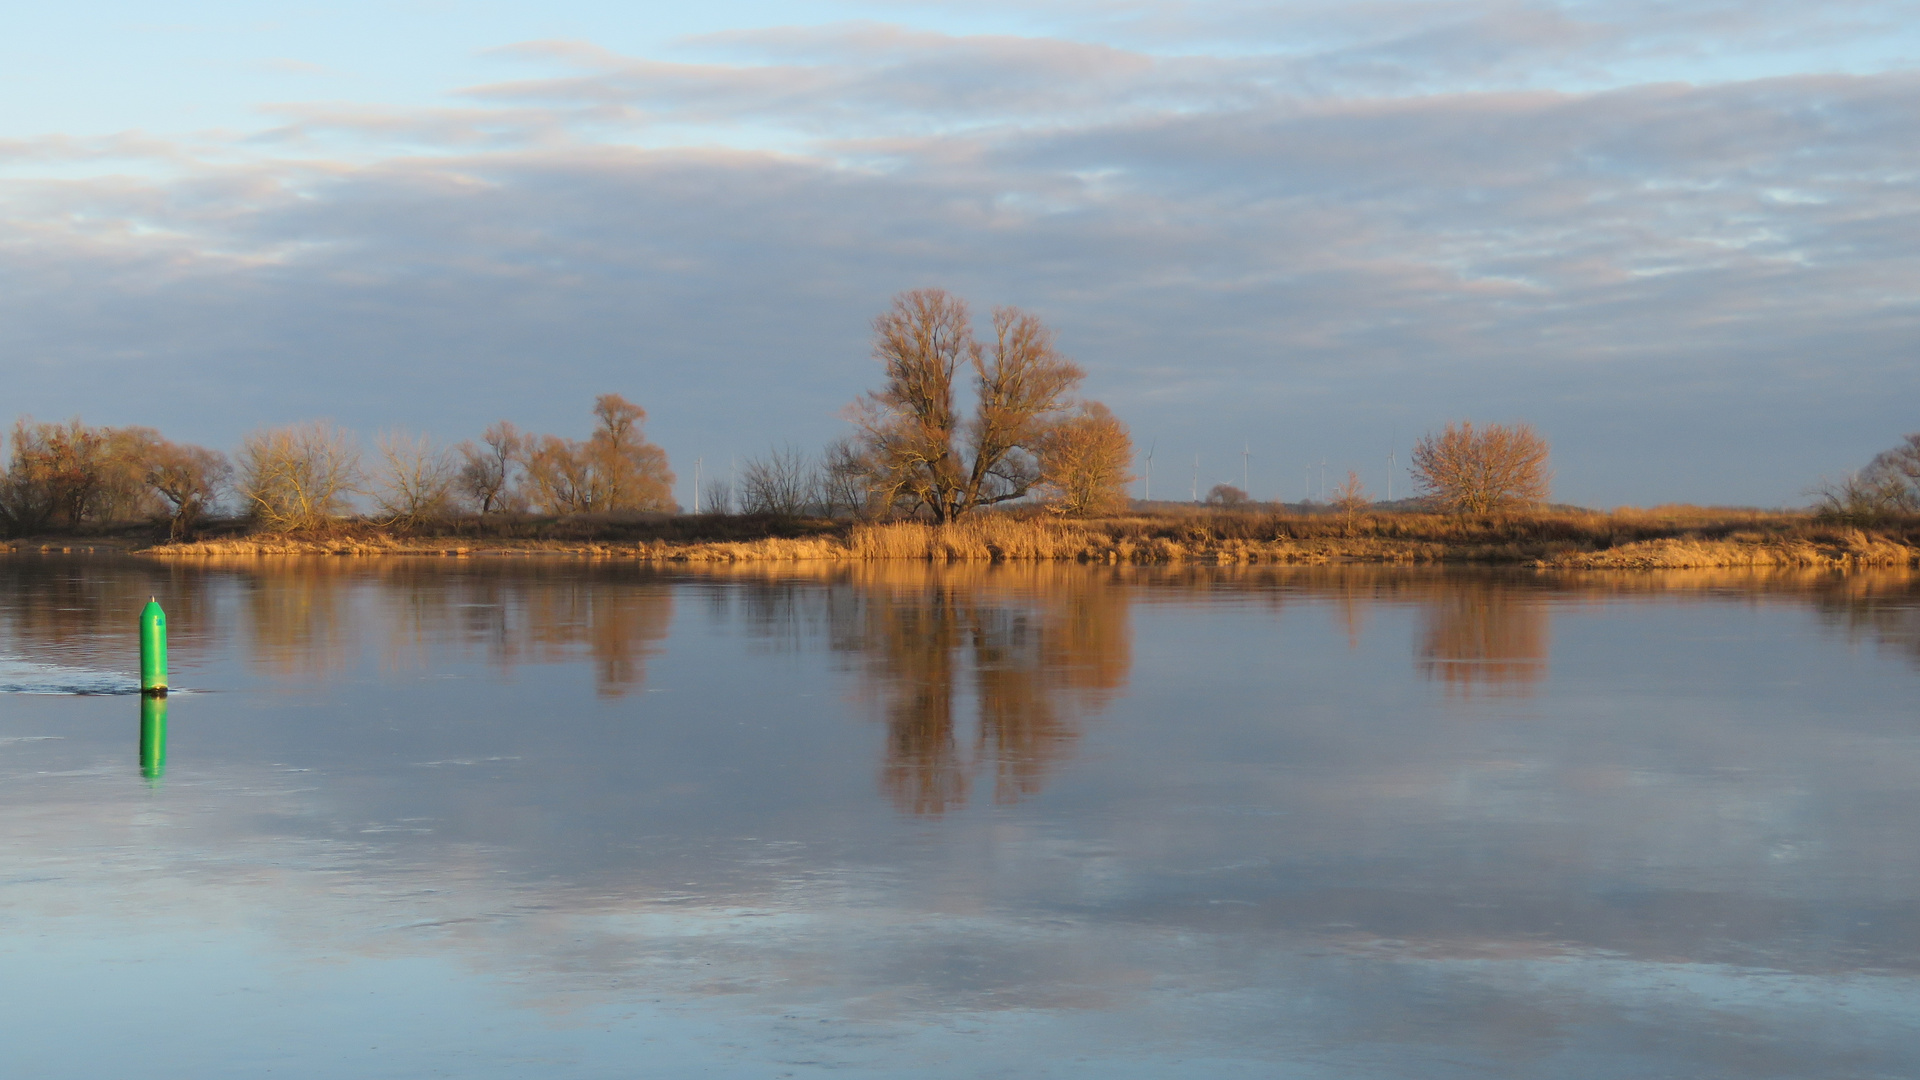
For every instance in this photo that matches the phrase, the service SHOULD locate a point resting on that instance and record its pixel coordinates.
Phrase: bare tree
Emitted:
(923, 452)
(300, 476)
(414, 482)
(190, 479)
(1860, 499)
(849, 480)
(1350, 498)
(1888, 486)
(1475, 471)
(1898, 471)
(1085, 462)
(781, 484)
(486, 471)
(1226, 496)
(716, 496)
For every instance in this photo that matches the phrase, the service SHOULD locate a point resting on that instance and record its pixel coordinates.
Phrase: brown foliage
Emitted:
(75, 475)
(616, 468)
(1085, 462)
(1469, 471)
(53, 470)
(1226, 495)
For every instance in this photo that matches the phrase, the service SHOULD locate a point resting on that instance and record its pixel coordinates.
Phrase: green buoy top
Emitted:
(153, 648)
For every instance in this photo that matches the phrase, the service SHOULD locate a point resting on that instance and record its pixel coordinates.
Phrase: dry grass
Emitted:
(1850, 547)
(1662, 537)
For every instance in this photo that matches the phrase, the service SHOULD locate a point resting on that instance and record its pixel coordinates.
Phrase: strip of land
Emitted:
(1622, 540)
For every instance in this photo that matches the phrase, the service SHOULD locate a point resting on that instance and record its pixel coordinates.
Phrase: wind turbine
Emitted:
(1246, 482)
(1150, 449)
(696, 483)
(1196, 478)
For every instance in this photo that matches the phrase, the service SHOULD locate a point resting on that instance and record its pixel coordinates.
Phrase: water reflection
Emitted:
(980, 674)
(1484, 637)
(1292, 842)
(65, 610)
(297, 623)
(153, 736)
(1034, 666)
(303, 620)
(1883, 608)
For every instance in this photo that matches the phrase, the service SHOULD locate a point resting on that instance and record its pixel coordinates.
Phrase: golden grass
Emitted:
(1849, 547)
(1663, 537)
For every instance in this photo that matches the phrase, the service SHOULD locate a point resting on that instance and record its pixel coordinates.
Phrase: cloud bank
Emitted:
(1317, 230)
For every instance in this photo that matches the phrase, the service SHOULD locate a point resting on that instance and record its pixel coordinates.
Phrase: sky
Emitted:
(1285, 239)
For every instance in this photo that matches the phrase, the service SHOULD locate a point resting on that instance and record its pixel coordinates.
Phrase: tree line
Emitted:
(914, 452)
(301, 476)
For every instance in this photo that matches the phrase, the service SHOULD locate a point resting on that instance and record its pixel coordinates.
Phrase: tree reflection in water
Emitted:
(979, 672)
(1882, 605)
(1485, 637)
(1039, 651)
(61, 608)
(301, 622)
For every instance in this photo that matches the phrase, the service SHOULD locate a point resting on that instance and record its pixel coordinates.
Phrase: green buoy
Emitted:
(153, 736)
(153, 650)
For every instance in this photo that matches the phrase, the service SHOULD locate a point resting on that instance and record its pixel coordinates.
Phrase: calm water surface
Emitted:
(519, 818)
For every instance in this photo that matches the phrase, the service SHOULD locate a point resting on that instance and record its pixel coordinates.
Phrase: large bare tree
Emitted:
(925, 453)
(1469, 470)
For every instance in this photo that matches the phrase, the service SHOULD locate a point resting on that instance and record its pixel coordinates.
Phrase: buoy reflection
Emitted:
(153, 736)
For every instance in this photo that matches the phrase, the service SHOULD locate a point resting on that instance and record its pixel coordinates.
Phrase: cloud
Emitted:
(1719, 273)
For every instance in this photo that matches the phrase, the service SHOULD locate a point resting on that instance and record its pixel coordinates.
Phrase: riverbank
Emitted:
(1619, 541)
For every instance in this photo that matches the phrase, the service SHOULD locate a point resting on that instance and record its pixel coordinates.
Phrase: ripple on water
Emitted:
(28, 677)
